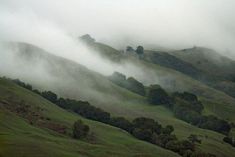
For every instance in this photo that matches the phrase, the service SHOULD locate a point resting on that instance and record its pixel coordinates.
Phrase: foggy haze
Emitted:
(55, 26)
(168, 23)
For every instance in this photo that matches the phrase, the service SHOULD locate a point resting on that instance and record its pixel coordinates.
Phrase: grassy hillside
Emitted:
(176, 81)
(216, 67)
(20, 138)
(208, 61)
(75, 81)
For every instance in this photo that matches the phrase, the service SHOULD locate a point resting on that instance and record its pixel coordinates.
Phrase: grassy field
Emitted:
(19, 138)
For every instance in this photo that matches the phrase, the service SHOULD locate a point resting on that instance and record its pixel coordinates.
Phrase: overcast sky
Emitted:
(166, 23)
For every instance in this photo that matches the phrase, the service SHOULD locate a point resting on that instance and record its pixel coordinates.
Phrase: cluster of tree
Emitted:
(149, 130)
(80, 130)
(187, 107)
(22, 84)
(158, 96)
(192, 101)
(84, 109)
(229, 140)
(129, 83)
(139, 50)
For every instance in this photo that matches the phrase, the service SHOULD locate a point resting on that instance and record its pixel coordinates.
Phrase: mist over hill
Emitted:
(117, 78)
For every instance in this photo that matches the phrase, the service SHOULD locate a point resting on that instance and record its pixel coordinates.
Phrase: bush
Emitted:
(80, 130)
(194, 139)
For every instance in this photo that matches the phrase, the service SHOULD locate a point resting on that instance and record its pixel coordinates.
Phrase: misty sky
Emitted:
(168, 23)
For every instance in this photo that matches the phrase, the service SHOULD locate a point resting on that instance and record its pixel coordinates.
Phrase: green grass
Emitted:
(19, 138)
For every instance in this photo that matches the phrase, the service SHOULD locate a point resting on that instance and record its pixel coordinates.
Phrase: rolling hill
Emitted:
(21, 138)
(69, 79)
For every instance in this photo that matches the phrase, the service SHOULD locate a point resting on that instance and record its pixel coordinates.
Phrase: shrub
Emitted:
(80, 130)
(194, 139)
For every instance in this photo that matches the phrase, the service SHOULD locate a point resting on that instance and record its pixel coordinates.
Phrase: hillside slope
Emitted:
(21, 138)
(219, 70)
(73, 80)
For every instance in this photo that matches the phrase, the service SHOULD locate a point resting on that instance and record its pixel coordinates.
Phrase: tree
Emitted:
(122, 123)
(80, 130)
(135, 86)
(118, 78)
(157, 95)
(129, 49)
(50, 96)
(143, 134)
(140, 50)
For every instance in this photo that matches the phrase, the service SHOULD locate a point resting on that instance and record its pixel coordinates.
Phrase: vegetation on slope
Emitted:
(24, 139)
(120, 104)
(142, 128)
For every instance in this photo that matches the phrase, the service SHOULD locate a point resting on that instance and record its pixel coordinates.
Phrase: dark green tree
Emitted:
(140, 50)
(50, 96)
(122, 123)
(130, 49)
(156, 95)
(135, 86)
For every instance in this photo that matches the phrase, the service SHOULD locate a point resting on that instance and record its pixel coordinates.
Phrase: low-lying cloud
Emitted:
(55, 26)
(170, 23)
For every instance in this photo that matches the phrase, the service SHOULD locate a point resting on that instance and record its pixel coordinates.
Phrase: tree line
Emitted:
(185, 106)
(188, 108)
(143, 128)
